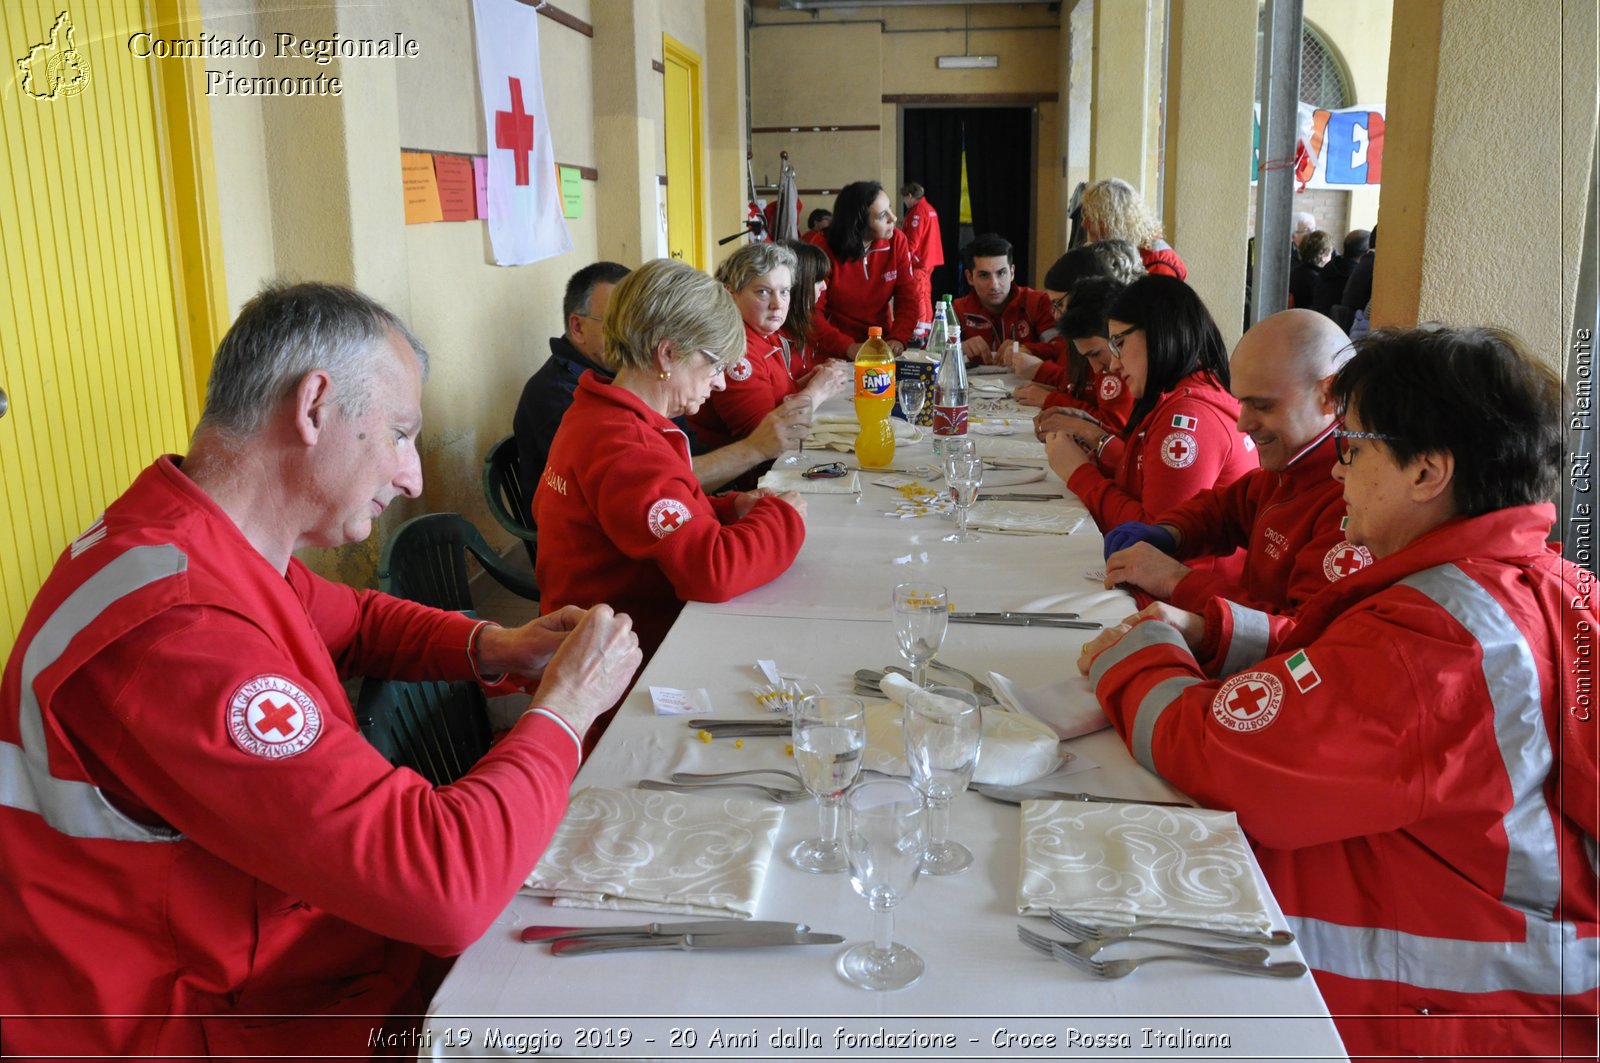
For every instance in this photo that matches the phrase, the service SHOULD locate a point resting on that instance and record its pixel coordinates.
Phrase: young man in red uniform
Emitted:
(194, 835)
(999, 318)
(1288, 515)
(1416, 760)
(921, 225)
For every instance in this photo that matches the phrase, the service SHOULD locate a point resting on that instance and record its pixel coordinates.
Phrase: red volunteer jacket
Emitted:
(1290, 524)
(921, 226)
(202, 832)
(876, 289)
(1107, 398)
(1164, 260)
(622, 519)
(1026, 318)
(753, 388)
(1419, 775)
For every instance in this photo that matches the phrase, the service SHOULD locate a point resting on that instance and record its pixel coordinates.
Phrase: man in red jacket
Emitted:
(1288, 515)
(999, 316)
(199, 852)
(921, 225)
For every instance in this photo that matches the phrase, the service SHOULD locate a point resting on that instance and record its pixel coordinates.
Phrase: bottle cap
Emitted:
(874, 332)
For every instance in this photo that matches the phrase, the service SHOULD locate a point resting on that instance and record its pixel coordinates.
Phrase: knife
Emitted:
(1028, 621)
(1023, 498)
(1007, 615)
(706, 926)
(732, 939)
(775, 720)
(1015, 795)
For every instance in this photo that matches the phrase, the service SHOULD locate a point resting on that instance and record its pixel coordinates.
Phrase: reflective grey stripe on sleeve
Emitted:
(1552, 961)
(1049, 334)
(1533, 874)
(1249, 642)
(71, 807)
(1158, 697)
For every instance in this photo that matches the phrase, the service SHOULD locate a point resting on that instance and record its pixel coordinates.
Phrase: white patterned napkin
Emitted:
(792, 480)
(1067, 706)
(1015, 749)
(655, 851)
(1113, 864)
(1026, 518)
(1021, 447)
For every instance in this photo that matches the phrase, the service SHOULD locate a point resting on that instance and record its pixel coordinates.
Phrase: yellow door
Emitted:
(96, 337)
(681, 128)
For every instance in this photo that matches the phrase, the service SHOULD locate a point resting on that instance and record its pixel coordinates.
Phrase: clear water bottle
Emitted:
(950, 390)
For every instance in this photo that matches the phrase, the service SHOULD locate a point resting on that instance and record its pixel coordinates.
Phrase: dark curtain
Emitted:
(933, 160)
(999, 143)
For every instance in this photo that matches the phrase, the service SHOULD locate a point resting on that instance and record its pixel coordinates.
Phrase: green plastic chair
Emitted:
(426, 561)
(505, 490)
(437, 729)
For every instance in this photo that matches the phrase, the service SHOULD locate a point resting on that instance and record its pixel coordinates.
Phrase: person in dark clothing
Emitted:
(1328, 292)
(1311, 256)
(1358, 291)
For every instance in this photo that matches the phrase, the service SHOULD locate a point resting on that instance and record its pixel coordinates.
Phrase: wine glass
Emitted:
(884, 840)
(943, 731)
(830, 733)
(963, 476)
(913, 393)
(921, 615)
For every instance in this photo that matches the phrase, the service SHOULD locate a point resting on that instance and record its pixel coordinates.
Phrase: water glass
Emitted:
(943, 732)
(912, 393)
(963, 476)
(921, 616)
(830, 733)
(885, 835)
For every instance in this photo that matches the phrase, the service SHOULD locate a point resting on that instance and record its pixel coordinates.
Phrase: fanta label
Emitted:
(875, 381)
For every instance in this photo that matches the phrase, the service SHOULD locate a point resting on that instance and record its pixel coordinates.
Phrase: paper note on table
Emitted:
(670, 701)
(454, 176)
(896, 480)
(770, 670)
(420, 186)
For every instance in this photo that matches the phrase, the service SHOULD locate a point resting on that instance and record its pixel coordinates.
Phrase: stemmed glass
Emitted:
(913, 393)
(921, 615)
(963, 475)
(943, 731)
(884, 840)
(830, 733)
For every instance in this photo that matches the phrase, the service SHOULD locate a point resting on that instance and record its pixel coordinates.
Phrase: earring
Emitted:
(666, 374)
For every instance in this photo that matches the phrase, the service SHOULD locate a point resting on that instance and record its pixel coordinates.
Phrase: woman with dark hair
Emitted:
(799, 335)
(1089, 386)
(1182, 436)
(1415, 756)
(872, 274)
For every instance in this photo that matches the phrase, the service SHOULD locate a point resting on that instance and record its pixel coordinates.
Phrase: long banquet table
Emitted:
(984, 995)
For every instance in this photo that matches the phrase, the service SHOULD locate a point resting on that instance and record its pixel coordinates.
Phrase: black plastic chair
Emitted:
(426, 561)
(506, 491)
(437, 729)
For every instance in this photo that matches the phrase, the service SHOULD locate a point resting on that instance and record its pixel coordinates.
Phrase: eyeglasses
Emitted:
(1114, 341)
(716, 368)
(1058, 305)
(831, 471)
(1342, 451)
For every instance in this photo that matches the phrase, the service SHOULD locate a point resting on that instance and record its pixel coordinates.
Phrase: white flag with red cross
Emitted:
(524, 190)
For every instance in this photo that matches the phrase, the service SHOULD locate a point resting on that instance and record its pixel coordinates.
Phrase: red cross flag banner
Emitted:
(524, 193)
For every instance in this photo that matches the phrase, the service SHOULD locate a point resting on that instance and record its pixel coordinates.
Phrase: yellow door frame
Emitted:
(675, 51)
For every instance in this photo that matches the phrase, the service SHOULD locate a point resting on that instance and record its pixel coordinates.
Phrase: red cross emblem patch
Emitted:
(1343, 560)
(1179, 450)
(1110, 387)
(1248, 702)
(740, 370)
(271, 717)
(667, 516)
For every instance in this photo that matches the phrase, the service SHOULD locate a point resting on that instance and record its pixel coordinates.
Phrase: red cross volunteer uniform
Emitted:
(1417, 766)
(622, 519)
(860, 293)
(1105, 397)
(753, 387)
(927, 251)
(192, 828)
(1026, 318)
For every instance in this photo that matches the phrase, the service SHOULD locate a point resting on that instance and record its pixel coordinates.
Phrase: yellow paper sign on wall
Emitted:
(571, 192)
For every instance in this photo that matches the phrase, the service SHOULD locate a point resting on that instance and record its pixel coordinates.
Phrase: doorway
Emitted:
(998, 147)
(681, 130)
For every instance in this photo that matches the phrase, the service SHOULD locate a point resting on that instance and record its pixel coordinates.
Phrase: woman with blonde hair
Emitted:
(1112, 210)
(621, 516)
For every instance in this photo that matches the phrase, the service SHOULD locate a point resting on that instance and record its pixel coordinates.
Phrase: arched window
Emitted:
(1324, 81)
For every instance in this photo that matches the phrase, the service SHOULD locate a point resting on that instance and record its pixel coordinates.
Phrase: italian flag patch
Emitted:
(1188, 424)
(1344, 522)
(1302, 672)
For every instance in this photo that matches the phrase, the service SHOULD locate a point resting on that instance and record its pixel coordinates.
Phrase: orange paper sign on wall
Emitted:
(421, 187)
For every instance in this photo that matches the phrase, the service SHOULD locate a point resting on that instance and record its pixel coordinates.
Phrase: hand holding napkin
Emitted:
(1113, 864)
(1067, 706)
(1015, 749)
(654, 851)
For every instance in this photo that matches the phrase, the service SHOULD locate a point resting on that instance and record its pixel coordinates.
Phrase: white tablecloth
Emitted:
(828, 616)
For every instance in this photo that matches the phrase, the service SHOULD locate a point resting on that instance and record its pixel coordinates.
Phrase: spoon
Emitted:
(711, 776)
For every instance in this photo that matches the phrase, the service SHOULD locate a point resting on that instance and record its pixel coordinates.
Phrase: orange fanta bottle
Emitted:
(874, 401)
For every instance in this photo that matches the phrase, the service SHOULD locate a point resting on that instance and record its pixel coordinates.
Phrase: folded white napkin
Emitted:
(656, 851)
(987, 370)
(1020, 447)
(792, 480)
(1114, 864)
(1011, 477)
(1015, 749)
(1067, 706)
(1026, 518)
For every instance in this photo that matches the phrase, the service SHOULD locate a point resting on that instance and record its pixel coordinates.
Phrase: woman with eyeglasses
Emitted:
(621, 516)
(1415, 756)
(1093, 388)
(872, 280)
(1182, 434)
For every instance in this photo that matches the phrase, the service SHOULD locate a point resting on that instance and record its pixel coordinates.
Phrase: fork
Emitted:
(1089, 948)
(1123, 968)
(773, 792)
(712, 776)
(1089, 932)
(979, 687)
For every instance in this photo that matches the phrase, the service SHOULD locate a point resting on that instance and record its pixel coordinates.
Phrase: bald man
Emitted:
(1288, 515)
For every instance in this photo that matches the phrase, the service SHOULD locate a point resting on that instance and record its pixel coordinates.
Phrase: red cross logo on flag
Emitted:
(513, 130)
(1344, 559)
(1179, 450)
(271, 717)
(666, 517)
(1248, 702)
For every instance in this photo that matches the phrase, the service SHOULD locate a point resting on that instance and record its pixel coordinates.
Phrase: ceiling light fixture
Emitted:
(968, 62)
